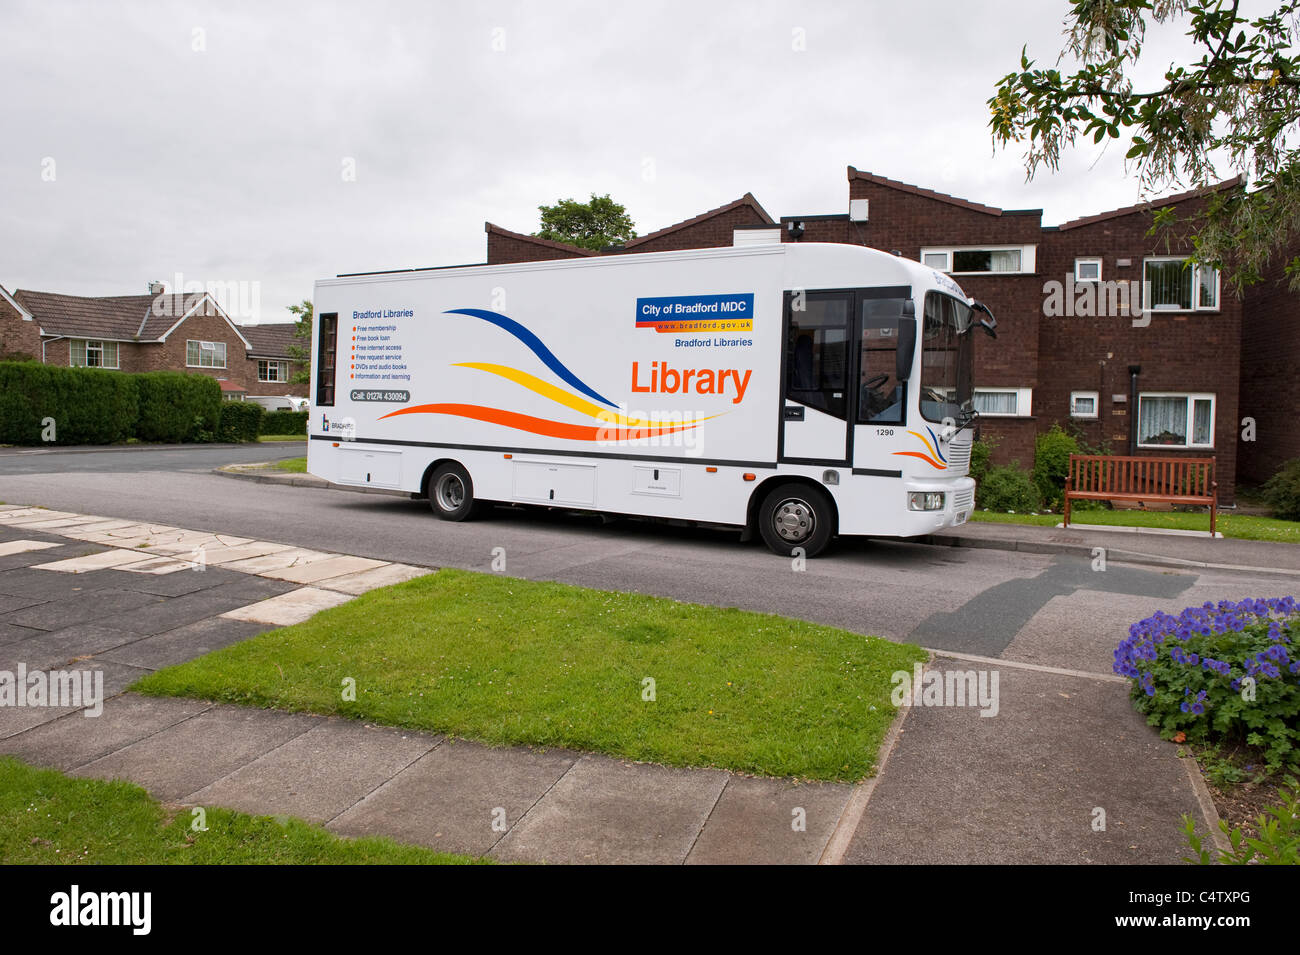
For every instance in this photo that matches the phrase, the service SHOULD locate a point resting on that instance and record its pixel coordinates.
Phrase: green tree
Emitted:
(1237, 103)
(299, 351)
(592, 225)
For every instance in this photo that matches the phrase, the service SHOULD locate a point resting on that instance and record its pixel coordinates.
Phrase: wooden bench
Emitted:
(1109, 477)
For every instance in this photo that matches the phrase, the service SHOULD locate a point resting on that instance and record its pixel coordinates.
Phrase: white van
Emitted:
(802, 390)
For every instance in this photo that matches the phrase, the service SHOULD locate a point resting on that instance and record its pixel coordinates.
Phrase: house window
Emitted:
(1171, 284)
(1015, 259)
(205, 354)
(92, 354)
(1176, 421)
(272, 370)
(1087, 270)
(1083, 404)
(1004, 402)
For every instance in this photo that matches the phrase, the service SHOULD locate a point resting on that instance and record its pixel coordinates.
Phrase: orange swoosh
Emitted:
(523, 422)
(924, 457)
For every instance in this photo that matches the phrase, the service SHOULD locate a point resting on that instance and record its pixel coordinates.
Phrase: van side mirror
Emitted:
(906, 348)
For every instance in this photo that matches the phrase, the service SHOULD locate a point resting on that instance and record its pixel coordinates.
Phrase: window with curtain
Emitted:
(997, 402)
(205, 354)
(1174, 285)
(92, 354)
(1179, 421)
(986, 260)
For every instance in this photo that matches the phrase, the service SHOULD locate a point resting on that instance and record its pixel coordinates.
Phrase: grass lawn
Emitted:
(47, 817)
(281, 437)
(509, 661)
(296, 465)
(1243, 526)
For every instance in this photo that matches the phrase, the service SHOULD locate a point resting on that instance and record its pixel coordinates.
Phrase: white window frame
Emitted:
(1028, 257)
(1087, 260)
(1192, 397)
(1195, 273)
(205, 348)
(105, 348)
(1024, 402)
(279, 363)
(1096, 404)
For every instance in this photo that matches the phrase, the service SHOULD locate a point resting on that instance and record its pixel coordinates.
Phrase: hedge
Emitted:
(176, 407)
(240, 421)
(284, 422)
(45, 404)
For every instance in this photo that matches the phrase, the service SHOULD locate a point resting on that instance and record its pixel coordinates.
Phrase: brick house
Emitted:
(1101, 328)
(155, 332)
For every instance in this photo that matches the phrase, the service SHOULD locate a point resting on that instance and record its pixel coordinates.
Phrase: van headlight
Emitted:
(925, 500)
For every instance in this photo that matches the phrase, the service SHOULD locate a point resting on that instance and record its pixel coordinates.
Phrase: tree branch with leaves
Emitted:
(1237, 105)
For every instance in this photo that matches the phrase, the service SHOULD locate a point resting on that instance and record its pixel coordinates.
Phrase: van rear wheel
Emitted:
(451, 493)
(796, 516)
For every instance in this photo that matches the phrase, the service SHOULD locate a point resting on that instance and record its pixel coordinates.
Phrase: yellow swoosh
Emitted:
(559, 395)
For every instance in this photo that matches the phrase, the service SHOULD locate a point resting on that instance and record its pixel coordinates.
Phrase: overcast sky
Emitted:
(214, 141)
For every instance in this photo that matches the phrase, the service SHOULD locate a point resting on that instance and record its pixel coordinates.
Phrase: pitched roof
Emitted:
(125, 318)
(1232, 183)
(549, 243)
(273, 339)
(746, 200)
(938, 196)
(18, 306)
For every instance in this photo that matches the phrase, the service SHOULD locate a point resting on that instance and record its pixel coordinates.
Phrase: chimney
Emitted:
(157, 288)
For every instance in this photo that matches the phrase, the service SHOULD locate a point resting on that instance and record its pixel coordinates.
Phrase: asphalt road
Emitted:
(1047, 610)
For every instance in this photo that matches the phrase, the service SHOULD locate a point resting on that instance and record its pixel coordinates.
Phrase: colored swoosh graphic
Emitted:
(543, 426)
(560, 396)
(941, 464)
(535, 345)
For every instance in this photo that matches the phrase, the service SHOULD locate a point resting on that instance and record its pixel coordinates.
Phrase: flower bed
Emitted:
(1220, 672)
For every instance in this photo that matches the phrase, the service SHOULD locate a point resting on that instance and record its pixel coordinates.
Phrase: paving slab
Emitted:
(11, 634)
(168, 585)
(286, 609)
(461, 797)
(100, 561)
(318, 570)
(77, 739)
(183, 643)
(227, 555)
(1022, 786)
(23, 546)
(280, 560)
(168, 614)
(368, 580)
(320, 774)
(73, 608)
(97, 529)
(605, 810)
(188, 541)
(9, 602)
(20, 518)
(56, 647)
(194, 753)
(157, 566)
(770, 822)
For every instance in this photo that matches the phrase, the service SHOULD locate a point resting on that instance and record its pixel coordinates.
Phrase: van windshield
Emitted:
(947, 358)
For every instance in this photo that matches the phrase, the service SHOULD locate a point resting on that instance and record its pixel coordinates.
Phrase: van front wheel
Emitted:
(451, 493)
(796, 516)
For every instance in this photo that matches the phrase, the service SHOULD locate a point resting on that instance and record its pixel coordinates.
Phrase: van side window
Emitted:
(326, 359)
(880, 394)
(817, 354)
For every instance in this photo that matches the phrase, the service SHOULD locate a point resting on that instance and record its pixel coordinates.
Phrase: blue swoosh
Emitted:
(936, 444)
(535, 345)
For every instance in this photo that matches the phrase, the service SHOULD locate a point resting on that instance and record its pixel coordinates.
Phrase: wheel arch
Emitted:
(767, 484)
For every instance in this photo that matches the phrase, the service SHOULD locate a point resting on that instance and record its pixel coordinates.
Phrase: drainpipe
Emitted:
(46, 342)
(1133, 372)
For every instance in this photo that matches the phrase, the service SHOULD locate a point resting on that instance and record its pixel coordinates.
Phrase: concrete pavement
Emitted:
(956, 786)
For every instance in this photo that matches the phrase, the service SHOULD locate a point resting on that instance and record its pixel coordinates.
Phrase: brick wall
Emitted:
(18, 337)
(711, 233)
(505, 247)
(1270, 355)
